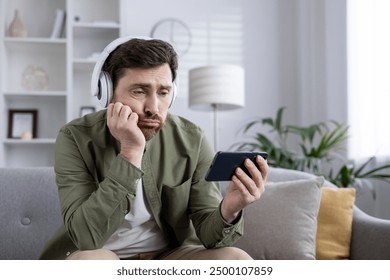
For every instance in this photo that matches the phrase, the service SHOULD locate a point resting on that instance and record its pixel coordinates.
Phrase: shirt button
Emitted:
(67, 254)
(126, 211)
(227, 231)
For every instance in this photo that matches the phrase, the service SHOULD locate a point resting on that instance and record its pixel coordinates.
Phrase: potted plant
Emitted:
(318, 149)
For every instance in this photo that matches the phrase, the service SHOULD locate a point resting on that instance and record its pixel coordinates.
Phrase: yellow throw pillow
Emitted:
(334, 223)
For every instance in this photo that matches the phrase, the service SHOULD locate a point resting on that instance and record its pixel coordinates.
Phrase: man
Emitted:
(131, 178)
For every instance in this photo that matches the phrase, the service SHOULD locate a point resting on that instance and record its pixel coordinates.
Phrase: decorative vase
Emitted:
(35, 78)
(17, 28)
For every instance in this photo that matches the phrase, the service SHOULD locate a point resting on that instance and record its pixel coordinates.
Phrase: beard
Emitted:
(150, 126)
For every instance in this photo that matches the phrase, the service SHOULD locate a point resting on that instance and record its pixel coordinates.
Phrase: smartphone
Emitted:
(225, 163)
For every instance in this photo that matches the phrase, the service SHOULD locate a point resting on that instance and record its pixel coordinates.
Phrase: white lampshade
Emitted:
(217, 86)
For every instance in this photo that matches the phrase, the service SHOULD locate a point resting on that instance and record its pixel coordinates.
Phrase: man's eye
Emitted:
(138, 92)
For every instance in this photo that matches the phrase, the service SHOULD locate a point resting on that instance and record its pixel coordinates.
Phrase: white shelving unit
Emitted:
(91, 30)
(68, 62)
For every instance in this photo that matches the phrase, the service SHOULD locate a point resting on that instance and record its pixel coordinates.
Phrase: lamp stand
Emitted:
(215, 116)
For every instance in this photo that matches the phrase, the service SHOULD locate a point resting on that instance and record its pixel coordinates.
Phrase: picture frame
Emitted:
(22, 124)
(84, 110)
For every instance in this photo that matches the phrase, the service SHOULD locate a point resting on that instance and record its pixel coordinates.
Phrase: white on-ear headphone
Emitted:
(101, 83)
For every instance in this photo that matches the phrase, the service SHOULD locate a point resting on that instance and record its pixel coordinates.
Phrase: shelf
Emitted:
(12, 94)
(97, 24)
(89, 41)
(57, 70)
(94, 32)
(46, 55)
(36, 141)
(85, 60)
(33, 40)
(37, 45)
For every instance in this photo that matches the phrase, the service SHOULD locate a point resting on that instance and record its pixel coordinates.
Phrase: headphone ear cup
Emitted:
(105, 89)
(174, 94)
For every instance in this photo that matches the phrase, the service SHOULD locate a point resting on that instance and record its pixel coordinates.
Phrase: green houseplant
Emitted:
(316, 148)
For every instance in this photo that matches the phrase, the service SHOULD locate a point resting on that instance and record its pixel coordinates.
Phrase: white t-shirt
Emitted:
(139, 232)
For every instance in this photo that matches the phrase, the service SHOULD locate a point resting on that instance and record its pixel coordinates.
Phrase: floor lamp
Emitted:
(215, 88)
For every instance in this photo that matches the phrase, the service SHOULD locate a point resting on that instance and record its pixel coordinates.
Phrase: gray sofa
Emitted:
(30, 213)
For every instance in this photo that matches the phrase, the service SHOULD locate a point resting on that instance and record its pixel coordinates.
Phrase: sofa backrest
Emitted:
(282, 174)
(29, 211)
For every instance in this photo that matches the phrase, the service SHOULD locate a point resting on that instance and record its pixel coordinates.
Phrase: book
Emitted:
(59, 24)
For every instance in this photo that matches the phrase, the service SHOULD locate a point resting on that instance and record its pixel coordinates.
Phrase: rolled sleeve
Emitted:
(125, 174)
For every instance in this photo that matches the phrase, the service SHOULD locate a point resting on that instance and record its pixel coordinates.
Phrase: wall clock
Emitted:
(175, 32)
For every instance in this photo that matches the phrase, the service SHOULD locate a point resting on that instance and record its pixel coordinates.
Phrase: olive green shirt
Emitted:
(97, 187)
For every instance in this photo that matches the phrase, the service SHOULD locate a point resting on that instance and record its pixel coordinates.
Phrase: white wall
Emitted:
(260, 31)
(294, 56)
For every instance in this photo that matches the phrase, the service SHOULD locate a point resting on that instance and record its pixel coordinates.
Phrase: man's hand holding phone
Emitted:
(122, 123)
(245, 187)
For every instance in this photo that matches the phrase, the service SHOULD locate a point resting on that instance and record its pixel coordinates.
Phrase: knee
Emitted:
(99, 254)
(234, 253)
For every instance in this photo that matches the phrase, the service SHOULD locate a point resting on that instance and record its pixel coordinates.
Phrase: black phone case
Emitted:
(225, 163)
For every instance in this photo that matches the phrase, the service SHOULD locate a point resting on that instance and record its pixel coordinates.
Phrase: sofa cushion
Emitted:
(334, 227)
(283, 223)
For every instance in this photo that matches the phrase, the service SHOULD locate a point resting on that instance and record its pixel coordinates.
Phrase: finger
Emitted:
(240, 185)
(247, 182)
(110, 115)
(249, 192)
(262, 172)
(117, 109)
(133, 117)
(110, 109)
(253, 171)
(125, 113)
(263, 167)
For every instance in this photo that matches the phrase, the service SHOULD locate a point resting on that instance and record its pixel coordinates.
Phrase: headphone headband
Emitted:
(101, 83)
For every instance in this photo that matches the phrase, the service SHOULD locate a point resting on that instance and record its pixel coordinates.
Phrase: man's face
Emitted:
(148, 92)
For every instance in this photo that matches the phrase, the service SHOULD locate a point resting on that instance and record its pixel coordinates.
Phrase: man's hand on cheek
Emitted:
(122, 123)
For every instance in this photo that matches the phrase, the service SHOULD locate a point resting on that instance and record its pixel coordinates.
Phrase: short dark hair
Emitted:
(140, 53)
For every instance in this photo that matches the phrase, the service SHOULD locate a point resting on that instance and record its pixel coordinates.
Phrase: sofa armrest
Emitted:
(370, 237)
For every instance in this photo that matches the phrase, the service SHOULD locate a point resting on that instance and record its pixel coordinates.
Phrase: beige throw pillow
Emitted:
(282, 225)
